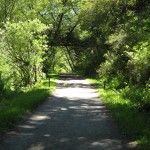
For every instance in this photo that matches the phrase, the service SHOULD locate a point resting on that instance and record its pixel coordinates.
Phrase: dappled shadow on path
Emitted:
(68, 122)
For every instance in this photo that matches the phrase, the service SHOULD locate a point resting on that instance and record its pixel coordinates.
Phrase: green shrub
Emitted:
(13, 109)
(125, 106)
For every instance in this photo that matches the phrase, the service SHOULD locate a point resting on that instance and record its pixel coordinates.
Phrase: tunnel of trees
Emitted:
(105, 39)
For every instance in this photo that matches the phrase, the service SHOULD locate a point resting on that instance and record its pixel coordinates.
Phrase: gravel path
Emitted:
(73, 118)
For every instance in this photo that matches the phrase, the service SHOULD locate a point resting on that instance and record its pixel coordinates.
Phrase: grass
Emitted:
(14, 109)
(125, 109)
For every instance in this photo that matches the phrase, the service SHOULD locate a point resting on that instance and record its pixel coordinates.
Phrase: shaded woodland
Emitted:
(105, 39)
(96, 38)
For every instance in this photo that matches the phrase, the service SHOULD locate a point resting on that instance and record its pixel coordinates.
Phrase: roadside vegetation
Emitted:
(16, 106)
(103, 39)
(126, 109)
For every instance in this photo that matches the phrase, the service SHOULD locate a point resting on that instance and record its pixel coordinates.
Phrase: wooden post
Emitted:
(0, 75)
(49, 80)
(1, 84)
(104, 84)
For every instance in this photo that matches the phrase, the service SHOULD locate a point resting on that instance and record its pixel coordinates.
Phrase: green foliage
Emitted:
(13, 109)
(7, 10)
(125, 107)
(139, 62)
(105, 38)
(127, 54)
(88, 61)
(56, 61)
(23, 50)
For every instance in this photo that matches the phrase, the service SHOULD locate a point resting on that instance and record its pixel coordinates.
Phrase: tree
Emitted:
(25, 43)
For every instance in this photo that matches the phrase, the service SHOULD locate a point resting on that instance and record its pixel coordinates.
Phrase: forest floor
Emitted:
(73, 118)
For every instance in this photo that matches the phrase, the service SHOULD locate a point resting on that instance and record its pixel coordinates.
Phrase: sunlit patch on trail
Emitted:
(39, 117)
(75, 89)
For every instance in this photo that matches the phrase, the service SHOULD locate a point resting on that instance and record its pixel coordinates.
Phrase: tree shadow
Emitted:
(64, 124)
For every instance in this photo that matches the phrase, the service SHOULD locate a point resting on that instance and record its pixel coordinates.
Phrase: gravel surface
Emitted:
(73, 118)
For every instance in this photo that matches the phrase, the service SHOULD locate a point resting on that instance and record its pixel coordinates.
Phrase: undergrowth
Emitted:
(125, 107)
(13, 109)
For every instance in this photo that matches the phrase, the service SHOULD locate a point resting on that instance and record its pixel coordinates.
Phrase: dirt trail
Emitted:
(73, 118)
